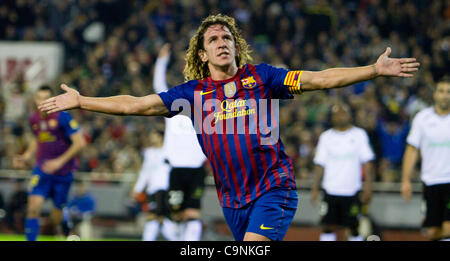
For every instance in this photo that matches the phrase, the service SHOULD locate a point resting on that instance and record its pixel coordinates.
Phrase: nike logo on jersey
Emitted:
(203, 93)
(265, 228)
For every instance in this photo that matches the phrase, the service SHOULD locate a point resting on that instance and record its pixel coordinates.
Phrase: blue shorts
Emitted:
(51, 186)
(269, 215)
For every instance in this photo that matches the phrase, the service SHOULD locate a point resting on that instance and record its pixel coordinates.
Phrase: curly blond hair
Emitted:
(195, 68)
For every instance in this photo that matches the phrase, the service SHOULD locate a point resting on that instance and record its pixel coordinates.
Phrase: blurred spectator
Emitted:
(392, 134)
(82, 203)
(79, 211)
(418, 102)
(16, 208)
(2, 208)
(15, 103)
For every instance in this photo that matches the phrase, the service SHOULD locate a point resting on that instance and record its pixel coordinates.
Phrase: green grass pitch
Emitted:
(14, 237)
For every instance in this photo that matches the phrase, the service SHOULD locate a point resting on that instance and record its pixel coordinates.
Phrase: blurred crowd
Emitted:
(111, 46)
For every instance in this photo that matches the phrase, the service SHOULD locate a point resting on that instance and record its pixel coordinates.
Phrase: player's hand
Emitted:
(366, 196)
(18, 161)
(164, 51)
(314, 196)
(66, 101)
(400, 67)
(406, 190)
(133, 196)
(51, 166)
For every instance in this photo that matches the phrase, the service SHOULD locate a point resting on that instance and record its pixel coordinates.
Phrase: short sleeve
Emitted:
(177, 97)
(366, 152)
(415, 133)
(320, 157)
(69, 125)
(284, 82)
(274, 78)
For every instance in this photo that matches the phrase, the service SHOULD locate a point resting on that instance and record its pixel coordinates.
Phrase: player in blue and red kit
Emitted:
(57, 140)
(233, 107)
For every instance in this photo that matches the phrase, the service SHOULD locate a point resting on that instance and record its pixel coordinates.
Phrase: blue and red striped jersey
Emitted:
(237, 126)
(53, 138)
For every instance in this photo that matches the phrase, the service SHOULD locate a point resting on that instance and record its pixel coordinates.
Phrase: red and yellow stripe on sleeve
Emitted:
(293, 83)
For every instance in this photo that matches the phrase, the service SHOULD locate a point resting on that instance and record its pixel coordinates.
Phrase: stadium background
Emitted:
(108, 47)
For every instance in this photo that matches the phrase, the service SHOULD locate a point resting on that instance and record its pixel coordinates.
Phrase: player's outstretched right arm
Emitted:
(341, 77)
(150, 105)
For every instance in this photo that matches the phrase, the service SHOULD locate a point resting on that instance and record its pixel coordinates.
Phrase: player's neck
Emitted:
(156, 145)
(342, 128)
(441, 111)
(220, 73)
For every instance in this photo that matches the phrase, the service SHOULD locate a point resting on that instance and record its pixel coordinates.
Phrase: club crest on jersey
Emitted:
(249, 82)
(230, 89)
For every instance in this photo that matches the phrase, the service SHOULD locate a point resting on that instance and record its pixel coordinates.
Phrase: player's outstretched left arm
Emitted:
(340, 77)
(150, 105)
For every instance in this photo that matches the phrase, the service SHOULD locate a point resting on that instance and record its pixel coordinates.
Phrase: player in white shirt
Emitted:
(429, 137)
(153, 180)
(343, 152)
(184, 154)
